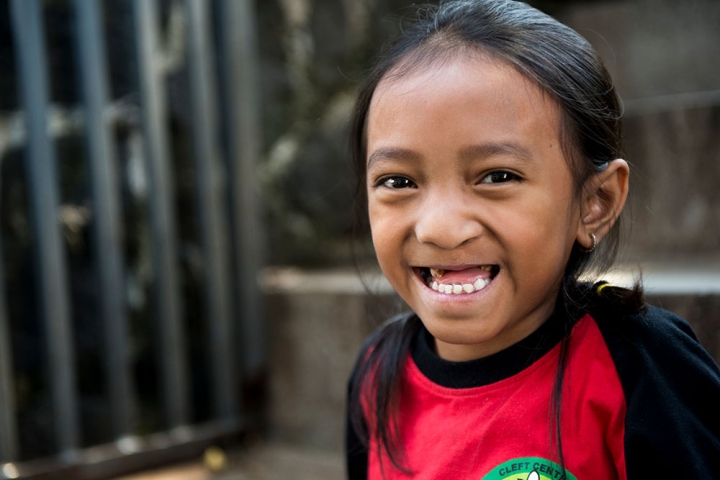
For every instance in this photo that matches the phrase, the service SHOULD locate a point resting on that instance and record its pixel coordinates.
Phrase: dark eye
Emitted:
(396, 182)
(499, 177)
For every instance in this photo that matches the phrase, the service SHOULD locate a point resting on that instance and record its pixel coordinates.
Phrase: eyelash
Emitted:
(389, 182)
(398, 182)
(500, 176)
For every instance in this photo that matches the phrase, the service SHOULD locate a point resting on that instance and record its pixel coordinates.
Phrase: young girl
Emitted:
(488, 148)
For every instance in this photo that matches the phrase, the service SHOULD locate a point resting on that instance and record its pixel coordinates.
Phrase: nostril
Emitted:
(447, 228)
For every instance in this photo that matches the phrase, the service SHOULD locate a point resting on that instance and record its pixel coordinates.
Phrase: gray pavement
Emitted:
(259, 461)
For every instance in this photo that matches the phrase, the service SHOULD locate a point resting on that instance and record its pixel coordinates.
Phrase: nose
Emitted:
(447, 222)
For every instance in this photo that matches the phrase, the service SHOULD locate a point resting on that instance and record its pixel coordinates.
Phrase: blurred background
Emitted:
(177, 281)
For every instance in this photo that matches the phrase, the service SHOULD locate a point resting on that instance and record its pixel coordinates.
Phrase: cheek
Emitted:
(383, 236)
(541, 231)
(387, 235)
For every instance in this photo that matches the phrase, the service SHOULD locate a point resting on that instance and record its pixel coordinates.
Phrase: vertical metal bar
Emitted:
(240, 69)
(103, 178)
(8, 423)
(41, 163)
(212, 219)
(154, 112)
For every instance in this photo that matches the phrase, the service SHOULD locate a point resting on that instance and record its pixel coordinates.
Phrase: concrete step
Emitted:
(673, 276)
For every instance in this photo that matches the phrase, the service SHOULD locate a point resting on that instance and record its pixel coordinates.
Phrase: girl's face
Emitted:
(471, 201)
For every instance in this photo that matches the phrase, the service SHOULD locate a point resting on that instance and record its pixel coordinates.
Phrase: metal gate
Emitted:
(215, 54)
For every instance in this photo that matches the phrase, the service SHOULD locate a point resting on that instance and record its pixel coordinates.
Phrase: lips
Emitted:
(458, 281)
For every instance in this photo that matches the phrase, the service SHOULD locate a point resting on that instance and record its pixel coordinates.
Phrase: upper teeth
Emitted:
(439, 272)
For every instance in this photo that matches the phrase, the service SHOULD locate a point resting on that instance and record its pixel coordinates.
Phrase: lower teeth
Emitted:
(456, 289)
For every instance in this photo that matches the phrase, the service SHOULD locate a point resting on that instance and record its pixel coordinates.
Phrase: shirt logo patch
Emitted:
(528, 468)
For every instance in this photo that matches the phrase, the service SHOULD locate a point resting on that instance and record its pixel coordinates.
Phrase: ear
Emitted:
(603, 198)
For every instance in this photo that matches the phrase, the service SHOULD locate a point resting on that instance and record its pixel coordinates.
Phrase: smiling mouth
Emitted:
(458, 282)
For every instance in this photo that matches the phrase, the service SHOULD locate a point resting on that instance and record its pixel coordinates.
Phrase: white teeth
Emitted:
(457, 289)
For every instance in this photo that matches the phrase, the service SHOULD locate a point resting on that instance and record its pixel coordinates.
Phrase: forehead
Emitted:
(469, 97)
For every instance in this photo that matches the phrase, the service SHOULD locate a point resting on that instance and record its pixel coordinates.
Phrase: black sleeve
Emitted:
(356, 454)
(672, 392)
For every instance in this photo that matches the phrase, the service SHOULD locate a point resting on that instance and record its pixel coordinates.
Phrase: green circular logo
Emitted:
(528, 468)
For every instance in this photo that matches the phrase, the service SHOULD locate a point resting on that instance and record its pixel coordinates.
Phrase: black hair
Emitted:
(567, 69)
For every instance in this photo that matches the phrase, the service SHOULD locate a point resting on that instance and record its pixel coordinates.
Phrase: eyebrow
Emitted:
(392, 153)
(487, 150)
(472, 152)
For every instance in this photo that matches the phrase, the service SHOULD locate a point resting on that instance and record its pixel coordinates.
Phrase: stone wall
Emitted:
(318, 322)
(662, 53)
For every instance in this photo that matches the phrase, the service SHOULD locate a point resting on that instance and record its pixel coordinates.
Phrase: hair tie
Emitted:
(601, 287)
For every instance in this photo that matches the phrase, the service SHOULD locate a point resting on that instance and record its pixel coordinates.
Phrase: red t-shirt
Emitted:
(504, 427)
(640, 398)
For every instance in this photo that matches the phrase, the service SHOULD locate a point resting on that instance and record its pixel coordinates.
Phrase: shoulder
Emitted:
(655, 321)
(379, 358)
(672, 393)
(656, 339)
(658, 349)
